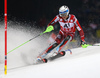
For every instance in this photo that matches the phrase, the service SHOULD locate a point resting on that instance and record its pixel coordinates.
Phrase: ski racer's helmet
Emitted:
(63, 11)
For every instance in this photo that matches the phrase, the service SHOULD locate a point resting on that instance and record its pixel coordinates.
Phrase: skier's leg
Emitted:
(47, 50)
(64, 43)
(61, 46)
(58, 40)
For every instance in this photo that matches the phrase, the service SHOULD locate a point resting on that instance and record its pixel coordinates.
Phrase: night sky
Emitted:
(35, 9)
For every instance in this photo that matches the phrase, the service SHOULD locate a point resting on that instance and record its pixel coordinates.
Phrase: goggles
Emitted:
(62, 14)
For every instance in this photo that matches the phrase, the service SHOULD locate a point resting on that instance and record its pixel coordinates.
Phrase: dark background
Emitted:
(41, 12)
(36, 9)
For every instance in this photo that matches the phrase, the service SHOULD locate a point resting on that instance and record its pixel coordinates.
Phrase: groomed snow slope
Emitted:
(83, 63)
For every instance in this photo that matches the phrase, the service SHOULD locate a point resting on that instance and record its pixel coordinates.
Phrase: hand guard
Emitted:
(84, 44)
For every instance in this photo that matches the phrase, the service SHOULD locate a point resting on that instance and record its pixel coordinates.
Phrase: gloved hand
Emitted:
(84, 44)
(49, 28)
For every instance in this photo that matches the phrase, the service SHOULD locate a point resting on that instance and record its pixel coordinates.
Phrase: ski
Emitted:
(53, 56)
(60, 54)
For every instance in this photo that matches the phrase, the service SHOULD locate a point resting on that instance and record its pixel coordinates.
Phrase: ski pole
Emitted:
(49, 29)
(86, 45)
(95, 45)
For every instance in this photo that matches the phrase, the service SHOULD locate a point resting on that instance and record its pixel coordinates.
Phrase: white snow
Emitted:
(83, 63)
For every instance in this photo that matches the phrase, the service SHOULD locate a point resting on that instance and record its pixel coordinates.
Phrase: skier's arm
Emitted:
(83, 42)
(54, 21)
(79, 28)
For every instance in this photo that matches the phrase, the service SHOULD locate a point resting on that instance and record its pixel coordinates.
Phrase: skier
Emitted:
(68, 24)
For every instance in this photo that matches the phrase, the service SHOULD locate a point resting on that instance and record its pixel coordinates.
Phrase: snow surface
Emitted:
(83, 63)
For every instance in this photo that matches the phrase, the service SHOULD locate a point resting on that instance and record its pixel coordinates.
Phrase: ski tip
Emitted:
(69, 51)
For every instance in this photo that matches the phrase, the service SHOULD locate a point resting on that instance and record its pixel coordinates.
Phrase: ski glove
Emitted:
(84, 44)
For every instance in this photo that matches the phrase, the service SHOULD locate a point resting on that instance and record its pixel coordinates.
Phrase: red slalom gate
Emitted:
(5, 16)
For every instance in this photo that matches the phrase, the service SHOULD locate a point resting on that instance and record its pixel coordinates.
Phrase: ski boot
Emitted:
(45, 60)
(40, 60)
(58, 55)
(62, 53)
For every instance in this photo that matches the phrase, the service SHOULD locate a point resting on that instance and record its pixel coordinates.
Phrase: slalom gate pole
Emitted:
(5, 15)
(49, 29)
